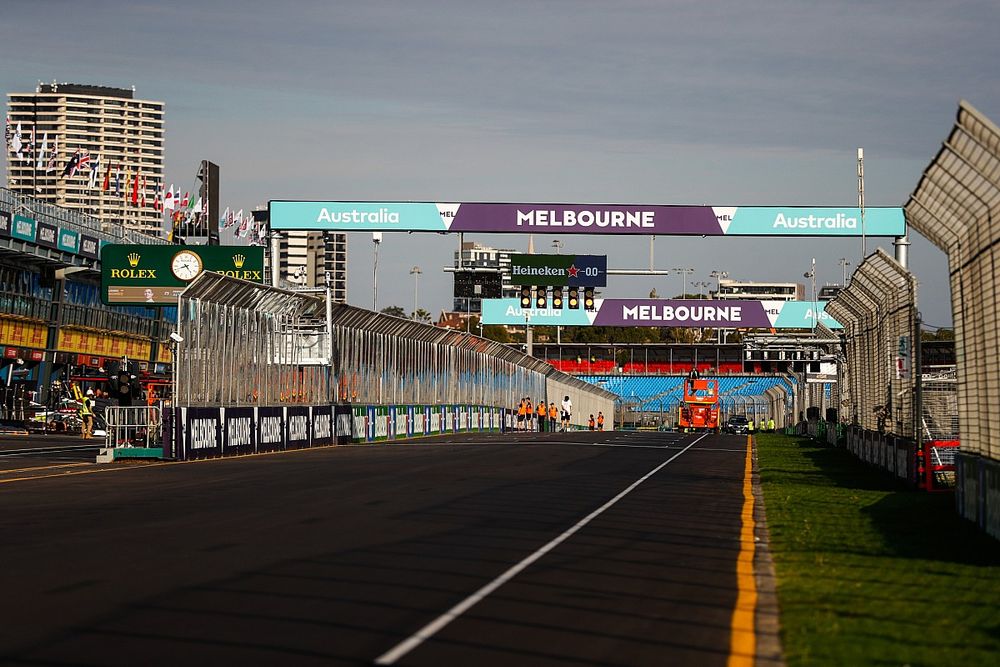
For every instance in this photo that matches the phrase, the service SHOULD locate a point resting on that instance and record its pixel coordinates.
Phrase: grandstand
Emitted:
(653, 400)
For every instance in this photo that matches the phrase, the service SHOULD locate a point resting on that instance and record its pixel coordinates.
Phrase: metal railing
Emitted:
(133, 426)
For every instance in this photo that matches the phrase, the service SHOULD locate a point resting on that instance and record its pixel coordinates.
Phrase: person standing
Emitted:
(770, 425)
(600, 421)
(592, 423)
(520, 416)
(542, 411)
(553, 417)
(567, 412)
(87, 415)
(529, 415)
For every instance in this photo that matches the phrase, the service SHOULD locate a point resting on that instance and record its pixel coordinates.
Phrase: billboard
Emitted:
(605, 219)
(692, 313)
(157, 274)
(559, 270)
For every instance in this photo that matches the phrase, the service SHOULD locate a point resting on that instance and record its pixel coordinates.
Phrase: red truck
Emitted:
(700, 409)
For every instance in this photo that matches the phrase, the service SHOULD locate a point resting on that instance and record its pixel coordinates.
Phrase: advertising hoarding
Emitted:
(605, 219)
(693, 313)
(156, 275)
(559, 270)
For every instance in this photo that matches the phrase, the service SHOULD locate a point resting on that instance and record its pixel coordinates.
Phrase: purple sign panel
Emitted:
(682, 313)
(587, 219)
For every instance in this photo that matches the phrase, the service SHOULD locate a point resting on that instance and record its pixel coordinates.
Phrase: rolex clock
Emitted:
(186, 265)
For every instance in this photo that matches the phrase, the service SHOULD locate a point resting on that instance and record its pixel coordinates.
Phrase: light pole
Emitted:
(684, 276)
(557, 244)
(415, 272)
(702, 284)
(718, 275)
(376, 239)
(811, 273)
(844, 264)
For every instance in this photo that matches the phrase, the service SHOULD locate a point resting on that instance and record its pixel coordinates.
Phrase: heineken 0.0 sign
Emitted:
(559, 270)
(157, 274)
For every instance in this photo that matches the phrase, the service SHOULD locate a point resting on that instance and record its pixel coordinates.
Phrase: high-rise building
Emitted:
(63, 122)
(476, 256)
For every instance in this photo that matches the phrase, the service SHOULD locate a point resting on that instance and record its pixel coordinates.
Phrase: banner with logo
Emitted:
(601, 219)
(321, 418)
(47, 235)
(270, 429)
(23, 228)
(559, 270)
(157, 274)
(239, 431)
(344, 421)
(297, 430)
(202, 432)
(693, 313)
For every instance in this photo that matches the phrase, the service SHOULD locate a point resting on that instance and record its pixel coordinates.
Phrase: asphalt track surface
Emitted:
(338, 556)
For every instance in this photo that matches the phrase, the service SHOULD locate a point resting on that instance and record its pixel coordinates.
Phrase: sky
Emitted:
(640, 102)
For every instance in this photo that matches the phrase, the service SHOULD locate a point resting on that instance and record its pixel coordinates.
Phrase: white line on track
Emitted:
(392, 655)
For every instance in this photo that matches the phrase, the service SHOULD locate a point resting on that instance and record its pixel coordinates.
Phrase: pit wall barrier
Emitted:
(977, 491)
(212, 432)
(897, 456)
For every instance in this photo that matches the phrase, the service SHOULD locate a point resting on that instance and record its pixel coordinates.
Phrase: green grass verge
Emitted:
(870, 572)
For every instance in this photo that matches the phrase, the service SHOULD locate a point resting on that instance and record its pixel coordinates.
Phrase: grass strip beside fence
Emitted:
(870, 572)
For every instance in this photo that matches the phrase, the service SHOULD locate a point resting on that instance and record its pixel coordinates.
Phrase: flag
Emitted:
(158, 196)
(15, 141)
(54, 158)
(168, 201)
(135, 188)
(74, 162)
(84, 161)
(185, 202)
(39, 163)
(238, 220)
(107, 179)
(223, 219)
(244, 223)
(118, 181)
(197, 207)
(143, 201)
(95, 171)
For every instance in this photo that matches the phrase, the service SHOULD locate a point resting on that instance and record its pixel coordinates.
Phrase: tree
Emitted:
(422, 316)
(496, 332)
(940, 334)
(394, 311)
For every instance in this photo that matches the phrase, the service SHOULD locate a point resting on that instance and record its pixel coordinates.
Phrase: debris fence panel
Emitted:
(246, 344)
(878, 311)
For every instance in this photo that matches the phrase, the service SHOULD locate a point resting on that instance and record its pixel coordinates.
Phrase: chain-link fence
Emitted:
(878, 311)
(956, 206)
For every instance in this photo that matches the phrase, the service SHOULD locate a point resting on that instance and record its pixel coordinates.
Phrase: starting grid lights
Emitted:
(541, 297)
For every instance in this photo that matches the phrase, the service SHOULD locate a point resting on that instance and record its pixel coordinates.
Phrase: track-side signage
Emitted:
(694, 313)
(559, 270)
(602, 219)
(157, 274)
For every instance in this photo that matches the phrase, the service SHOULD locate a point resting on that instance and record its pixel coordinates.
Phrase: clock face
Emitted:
(186, 265)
